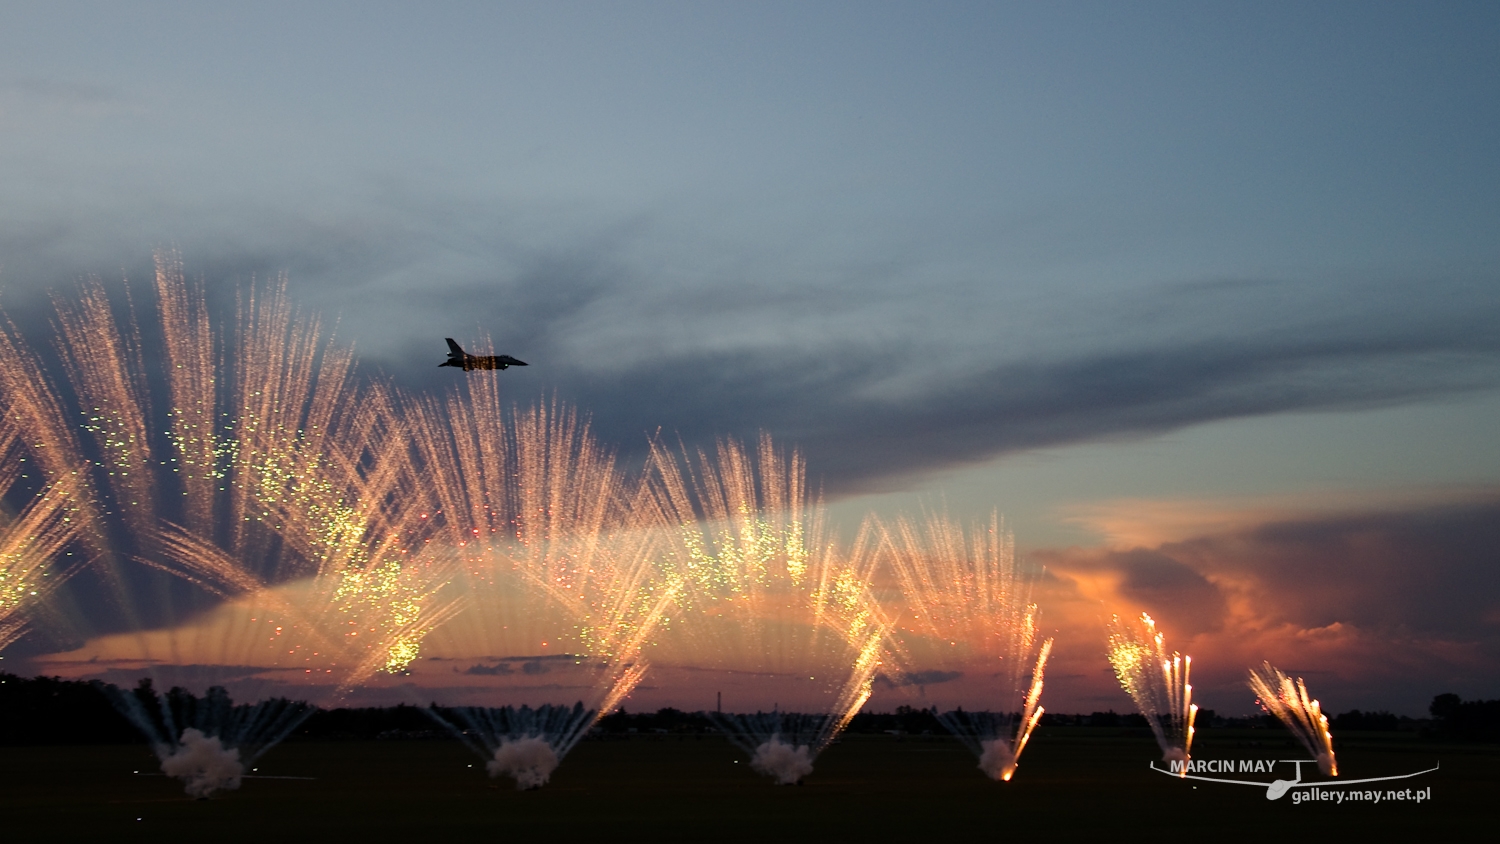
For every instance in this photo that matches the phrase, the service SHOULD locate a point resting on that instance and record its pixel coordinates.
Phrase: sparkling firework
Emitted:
(1288, 701)
(252, 466)
(1159, 684)
(318, 481)
(766, 591)
(34, 542)
(319, 484)
(557, 561)
(966, 607)
(45, 501)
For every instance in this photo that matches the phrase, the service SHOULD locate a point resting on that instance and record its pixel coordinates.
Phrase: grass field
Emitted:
(1073, 784)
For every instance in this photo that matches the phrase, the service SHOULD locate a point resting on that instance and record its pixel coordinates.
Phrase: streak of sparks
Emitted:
(44, 478)
(1279, 695)
(965, 588)
(1159, 684)
(33, 543)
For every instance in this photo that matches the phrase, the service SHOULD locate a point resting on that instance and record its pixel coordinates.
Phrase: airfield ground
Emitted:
(1074, 784)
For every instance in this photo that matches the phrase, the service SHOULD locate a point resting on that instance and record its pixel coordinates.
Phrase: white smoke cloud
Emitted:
(997, 761)
(778, 759)
(203, 762)
(529, 761)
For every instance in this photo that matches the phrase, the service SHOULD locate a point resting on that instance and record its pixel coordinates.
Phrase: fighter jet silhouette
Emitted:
(457, 357)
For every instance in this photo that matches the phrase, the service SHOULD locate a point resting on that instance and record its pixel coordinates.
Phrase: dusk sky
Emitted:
(1203, 297)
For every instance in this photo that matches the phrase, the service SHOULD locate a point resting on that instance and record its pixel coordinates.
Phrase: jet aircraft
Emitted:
(458, 357)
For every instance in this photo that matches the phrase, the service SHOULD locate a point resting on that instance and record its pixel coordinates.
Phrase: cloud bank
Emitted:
(1374, 610)
(879, 381)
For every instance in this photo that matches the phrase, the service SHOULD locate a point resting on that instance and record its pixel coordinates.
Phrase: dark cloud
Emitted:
(820, 400)
(916, 678)
(499, 669)
(1378, 610)
(529, 665)
(877, 380)
(1433, 572)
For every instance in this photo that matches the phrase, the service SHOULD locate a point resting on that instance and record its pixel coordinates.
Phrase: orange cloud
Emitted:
(1380, 610)
(1148, 522)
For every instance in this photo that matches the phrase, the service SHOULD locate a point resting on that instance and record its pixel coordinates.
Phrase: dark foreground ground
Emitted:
(1074, 784)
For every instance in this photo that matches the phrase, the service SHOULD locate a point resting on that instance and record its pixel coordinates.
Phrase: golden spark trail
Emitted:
(1289, 702)
(192, 364)
(33, 410)
(103, 363)
(41, 466)
(33, 544)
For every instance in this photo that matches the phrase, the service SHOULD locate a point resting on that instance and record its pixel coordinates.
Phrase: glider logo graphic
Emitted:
(1324, 790)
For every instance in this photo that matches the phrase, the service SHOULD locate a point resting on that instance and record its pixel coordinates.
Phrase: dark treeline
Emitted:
(1372, 721)
(370, 722)
(48, 710)
(1461, 720)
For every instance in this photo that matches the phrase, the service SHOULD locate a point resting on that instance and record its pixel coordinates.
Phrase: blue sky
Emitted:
(1087, 263)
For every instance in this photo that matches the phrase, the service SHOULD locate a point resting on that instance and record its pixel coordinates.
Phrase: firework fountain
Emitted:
(559, 564)
(966, 607)
(1279, 695)
(206, 742)
(766, 591)
(339, 524)
(1159, 684)
(295, 485)
(278, 482)
(247, 463)
(524, 744)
